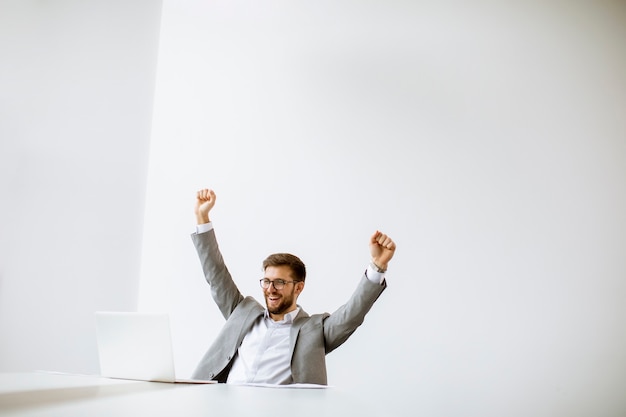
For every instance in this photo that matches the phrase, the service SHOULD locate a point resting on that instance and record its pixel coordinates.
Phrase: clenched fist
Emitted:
(382, 249)
(205, 200)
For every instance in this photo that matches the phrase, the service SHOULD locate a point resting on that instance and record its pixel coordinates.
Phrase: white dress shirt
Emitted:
(263, 356)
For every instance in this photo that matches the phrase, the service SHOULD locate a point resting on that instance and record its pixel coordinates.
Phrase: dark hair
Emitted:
(293, 262)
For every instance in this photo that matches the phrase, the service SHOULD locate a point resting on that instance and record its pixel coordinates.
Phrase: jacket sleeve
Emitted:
(223, 289)
(340, 325)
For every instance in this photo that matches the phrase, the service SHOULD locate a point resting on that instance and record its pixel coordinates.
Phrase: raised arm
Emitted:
(344, 321)
(223, 290)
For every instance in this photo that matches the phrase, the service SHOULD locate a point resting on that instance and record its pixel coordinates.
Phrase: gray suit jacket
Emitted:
(312, 337)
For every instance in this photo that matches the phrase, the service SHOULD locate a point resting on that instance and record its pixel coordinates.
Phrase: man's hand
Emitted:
(205, 200)
(382, 249)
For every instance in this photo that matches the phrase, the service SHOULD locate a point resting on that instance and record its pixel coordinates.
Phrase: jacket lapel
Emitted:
(251, 318)
(298, 322)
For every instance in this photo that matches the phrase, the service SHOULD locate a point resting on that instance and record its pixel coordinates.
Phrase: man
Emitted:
(281, 343)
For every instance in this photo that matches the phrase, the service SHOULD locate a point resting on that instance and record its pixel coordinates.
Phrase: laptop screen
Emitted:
(135, 346)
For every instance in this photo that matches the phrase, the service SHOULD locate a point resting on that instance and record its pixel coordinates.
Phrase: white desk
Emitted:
(44, 394)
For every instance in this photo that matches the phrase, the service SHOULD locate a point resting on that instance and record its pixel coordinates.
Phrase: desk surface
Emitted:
(45, 394)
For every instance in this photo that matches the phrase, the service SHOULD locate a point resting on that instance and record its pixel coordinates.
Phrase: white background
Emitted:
(488, 141)
(76, 91)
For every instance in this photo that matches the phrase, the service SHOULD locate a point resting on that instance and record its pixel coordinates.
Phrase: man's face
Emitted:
(281, 301)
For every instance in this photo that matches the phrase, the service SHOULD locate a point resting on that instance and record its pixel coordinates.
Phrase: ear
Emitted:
(299, 286)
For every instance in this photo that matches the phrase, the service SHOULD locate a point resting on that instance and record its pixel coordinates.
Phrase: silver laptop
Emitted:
(137, 346)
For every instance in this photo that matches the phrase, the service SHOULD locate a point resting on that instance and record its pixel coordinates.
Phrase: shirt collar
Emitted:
(288, 319)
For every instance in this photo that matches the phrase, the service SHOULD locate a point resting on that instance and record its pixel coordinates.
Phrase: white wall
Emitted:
(488, 140)
(77, 82)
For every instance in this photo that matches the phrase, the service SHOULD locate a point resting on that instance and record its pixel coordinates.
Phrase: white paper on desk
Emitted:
(289, 386)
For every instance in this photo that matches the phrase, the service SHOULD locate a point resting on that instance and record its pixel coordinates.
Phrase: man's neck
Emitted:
(281, 317)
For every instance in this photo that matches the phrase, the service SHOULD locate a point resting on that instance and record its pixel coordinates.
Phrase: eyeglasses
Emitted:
(279, 284)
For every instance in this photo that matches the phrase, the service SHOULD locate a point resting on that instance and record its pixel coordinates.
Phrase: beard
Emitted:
(285, 302)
